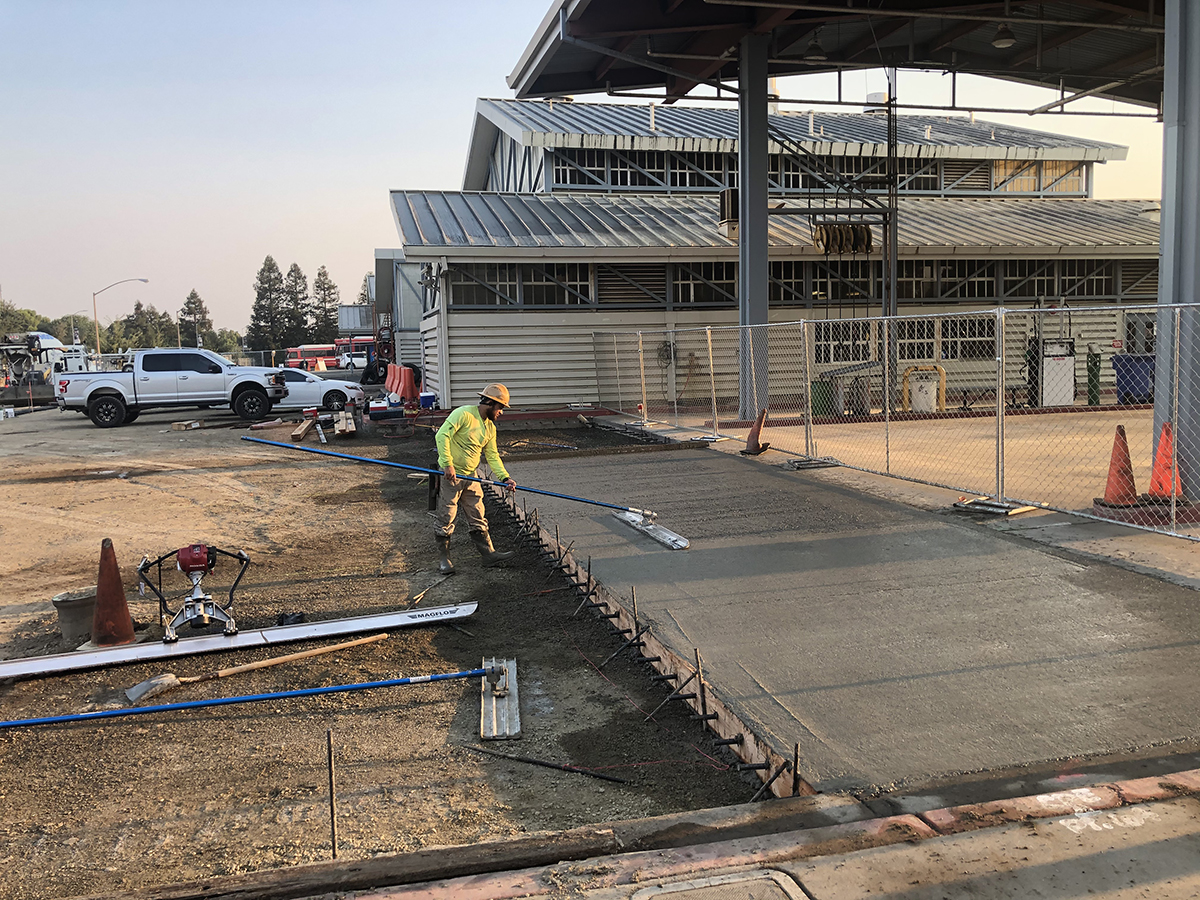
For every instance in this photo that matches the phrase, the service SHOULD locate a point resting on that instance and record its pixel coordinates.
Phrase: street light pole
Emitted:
(96, 317)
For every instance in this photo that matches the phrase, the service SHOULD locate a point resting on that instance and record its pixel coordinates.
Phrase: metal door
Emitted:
(198, 381)
(155, 380)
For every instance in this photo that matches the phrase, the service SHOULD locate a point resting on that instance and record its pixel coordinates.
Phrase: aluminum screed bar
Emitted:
(644, 513)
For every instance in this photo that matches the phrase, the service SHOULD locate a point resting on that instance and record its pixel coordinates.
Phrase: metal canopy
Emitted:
(465, 226)
(1108, 48)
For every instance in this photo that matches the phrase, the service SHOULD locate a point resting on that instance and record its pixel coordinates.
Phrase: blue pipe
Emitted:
(251, 698)
(645, 513)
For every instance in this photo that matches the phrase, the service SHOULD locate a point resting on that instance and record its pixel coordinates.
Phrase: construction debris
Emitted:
(995, 507)
(302, 430)
(187, 426)
(343, 425)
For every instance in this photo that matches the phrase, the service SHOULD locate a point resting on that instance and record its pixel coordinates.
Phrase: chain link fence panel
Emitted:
(1051, 407)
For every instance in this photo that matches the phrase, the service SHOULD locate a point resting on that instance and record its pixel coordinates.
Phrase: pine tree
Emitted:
(193, 318)
(325, 308)
(144, 327)
(267, 325)
(296, 308)
(364, 293)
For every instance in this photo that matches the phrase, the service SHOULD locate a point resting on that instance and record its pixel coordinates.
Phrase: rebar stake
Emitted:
(332, 793)
(704, 715)
(770, 781)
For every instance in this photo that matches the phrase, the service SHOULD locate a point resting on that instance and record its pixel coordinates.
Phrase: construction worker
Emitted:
(468, 434)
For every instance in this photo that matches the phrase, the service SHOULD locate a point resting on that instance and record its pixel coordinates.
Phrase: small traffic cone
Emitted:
(1160, 476)
(1120, 490)
(753, 447)
(111, 622)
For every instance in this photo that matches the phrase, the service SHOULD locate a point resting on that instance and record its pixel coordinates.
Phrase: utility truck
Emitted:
(164, 378)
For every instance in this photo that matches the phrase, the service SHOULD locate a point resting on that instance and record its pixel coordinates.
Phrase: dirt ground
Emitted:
(129, 802)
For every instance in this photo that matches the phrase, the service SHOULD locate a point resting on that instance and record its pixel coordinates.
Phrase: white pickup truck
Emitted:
(170, 378)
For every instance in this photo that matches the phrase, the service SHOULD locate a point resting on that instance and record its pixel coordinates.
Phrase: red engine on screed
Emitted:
(196, 558)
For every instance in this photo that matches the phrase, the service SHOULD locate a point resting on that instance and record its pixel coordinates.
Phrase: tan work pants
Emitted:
(468, 495)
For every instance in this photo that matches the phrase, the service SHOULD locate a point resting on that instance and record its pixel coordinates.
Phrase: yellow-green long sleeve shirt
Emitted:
(466, 436)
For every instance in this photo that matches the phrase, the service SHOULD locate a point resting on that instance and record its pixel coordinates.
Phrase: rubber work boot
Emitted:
(491, 556)
(444, 565)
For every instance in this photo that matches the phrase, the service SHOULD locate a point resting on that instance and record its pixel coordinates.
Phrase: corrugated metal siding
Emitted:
(548, 359)
(459, 225)
(715, 129)
(432, 370)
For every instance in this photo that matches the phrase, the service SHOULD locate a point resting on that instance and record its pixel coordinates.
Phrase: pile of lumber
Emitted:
(342, 422)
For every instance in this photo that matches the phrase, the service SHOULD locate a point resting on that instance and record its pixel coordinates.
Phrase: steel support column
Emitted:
(753, 271)
(1179, 278)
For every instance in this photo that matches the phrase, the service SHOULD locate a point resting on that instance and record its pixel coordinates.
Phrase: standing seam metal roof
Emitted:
(441, 223)
(569, 124)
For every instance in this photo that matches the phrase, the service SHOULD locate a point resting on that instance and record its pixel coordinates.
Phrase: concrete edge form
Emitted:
(673, 846)
(130, 653)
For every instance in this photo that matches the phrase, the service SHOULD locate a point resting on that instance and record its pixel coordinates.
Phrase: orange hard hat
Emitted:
(495, 392)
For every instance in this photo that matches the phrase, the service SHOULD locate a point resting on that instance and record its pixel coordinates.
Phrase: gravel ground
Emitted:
(169, 797)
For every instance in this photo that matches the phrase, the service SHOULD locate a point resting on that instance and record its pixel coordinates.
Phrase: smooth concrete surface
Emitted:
(895, 645)
(1147, 851)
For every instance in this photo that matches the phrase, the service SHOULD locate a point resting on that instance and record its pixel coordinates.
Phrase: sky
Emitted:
(185, 141)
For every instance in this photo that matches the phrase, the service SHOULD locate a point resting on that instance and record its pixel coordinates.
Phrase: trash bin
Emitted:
(924, 395)
(822, 398)
(1135, 377)
(859, 398)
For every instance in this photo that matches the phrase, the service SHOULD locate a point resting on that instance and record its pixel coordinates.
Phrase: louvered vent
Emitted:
(613, 288)
(975, 176)
(1139, 277)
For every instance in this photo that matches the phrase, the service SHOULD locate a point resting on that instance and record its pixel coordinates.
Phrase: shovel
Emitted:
(151, 687)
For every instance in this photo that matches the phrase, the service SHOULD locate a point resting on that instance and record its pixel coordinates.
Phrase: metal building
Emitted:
(618, 227)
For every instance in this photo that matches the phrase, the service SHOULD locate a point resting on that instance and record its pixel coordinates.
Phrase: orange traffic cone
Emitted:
(753, 447)
(1120, 490)
(1160, 476)
(111, 623)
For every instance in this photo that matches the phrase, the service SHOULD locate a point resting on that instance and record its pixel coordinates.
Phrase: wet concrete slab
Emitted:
(895, 645)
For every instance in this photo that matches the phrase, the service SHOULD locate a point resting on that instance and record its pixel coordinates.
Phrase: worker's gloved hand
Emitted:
(449, 475)
(510, 484)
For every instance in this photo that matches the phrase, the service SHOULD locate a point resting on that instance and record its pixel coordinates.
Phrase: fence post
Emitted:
(1000, 360)
(642, 369)
(617, 367)
(712, 380)
(1175, 419)
(887, 397)
(673, 338)
(749, 338)
(808, 435)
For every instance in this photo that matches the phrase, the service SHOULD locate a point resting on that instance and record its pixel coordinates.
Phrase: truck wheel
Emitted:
(131, 415)
(252, 404)
(334, 400)
(107, 411)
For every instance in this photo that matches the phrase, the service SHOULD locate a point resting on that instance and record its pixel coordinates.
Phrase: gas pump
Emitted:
(1050, 360)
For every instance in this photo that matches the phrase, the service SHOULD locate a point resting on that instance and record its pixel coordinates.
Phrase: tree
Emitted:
(193, 318)
(224, 341)
(364, 292)
(325, 308)
(13, 319)
(144, 327)
(296, 308)
(267, 325)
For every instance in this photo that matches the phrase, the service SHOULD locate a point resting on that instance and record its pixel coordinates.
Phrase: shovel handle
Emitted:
(274, 661)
